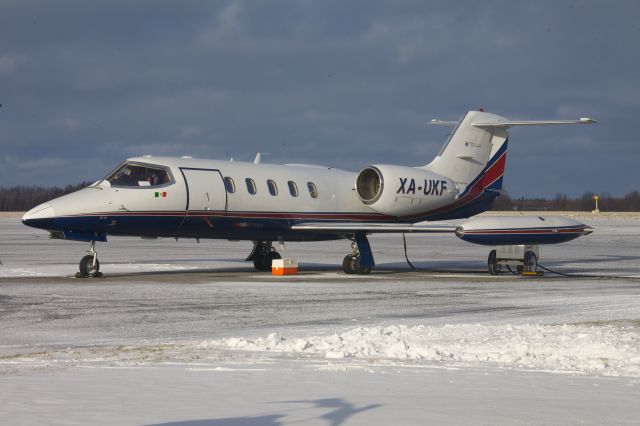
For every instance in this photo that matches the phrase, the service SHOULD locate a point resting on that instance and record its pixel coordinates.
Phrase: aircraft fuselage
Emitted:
(257, 202)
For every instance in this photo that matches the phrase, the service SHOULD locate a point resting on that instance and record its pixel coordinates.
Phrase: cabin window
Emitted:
(140, 175)
(251, 185)
(229, 185)
(273, 188)
(313, 191)
(293, 188)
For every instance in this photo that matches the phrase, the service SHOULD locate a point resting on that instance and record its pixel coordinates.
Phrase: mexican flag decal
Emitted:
(161, 195)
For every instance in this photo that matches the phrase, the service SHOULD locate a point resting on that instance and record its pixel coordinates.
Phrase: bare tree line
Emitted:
(22, 198)
(562, 202)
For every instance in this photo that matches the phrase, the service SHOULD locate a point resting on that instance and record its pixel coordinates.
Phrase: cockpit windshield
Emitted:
(136, 174)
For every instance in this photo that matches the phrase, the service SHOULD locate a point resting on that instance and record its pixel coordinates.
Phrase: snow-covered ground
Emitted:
(187, 333)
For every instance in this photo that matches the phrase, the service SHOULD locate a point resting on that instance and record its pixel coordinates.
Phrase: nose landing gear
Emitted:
(89, 264)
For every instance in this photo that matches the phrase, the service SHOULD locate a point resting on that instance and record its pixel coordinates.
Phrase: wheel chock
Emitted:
(284, 267)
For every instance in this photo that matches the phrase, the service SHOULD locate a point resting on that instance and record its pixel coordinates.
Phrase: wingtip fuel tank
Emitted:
(495, 231)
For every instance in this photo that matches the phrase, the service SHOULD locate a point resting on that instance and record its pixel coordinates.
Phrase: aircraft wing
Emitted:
(349, 227)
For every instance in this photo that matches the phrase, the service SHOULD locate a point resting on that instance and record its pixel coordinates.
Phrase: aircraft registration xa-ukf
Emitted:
(196, 198)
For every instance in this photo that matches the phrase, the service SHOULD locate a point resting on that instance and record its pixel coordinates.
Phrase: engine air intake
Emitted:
(369, 185)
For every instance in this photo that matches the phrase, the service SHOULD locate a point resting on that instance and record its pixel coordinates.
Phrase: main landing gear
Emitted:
(89, 264)
(360, 261)
(262, 255)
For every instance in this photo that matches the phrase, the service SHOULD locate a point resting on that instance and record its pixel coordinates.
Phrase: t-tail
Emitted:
(474, 157)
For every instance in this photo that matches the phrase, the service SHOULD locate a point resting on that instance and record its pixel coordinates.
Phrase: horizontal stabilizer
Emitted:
(507, 124)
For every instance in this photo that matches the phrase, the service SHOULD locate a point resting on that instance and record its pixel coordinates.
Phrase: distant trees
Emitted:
(22, 198)
(562, 202)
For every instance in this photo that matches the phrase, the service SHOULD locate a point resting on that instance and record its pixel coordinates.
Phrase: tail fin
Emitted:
(476, 150)
(469, 149)
(474, 157)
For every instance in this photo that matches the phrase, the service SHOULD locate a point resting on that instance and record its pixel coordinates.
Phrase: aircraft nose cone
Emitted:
(41, 216)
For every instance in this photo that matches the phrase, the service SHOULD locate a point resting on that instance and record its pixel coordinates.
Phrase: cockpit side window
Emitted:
(140, 175)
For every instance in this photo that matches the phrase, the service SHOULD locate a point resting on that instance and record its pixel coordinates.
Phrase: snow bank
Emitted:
(606, 350)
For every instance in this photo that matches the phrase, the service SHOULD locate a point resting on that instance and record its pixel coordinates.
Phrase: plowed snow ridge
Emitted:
(606, 350)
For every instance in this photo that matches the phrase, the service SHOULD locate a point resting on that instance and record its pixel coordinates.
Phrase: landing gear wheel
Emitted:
(351, 265)
(492, 263)
(530, 262)
(87, 267)
(262, 261)
(347, 264)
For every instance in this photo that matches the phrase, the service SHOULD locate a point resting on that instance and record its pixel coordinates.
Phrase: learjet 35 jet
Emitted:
(197, 198)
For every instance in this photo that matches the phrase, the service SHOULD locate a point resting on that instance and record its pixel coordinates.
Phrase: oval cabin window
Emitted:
(313, 191)
(293, 188)
(251, 186)
(273, 188)
(229, 185)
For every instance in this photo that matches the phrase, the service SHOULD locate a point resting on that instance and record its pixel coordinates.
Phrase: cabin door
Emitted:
(205, 190)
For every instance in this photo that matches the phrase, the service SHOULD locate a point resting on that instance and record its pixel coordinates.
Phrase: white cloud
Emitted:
(190, 131)
(39, 163)
(313, 80)
(71, 123)
(225, 25)
(9, 63)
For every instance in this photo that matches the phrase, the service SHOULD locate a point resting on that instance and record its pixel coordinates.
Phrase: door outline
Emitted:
(186, 183)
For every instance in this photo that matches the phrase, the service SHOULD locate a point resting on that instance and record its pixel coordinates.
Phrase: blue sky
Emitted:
(84, 85)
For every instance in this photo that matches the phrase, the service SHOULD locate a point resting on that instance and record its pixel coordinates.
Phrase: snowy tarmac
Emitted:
(180, 332)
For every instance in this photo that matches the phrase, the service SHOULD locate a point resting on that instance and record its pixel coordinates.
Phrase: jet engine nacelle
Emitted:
(403, 191)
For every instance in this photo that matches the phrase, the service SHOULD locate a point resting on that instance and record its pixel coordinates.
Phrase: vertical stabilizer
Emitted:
(469, 149)
(474, 157)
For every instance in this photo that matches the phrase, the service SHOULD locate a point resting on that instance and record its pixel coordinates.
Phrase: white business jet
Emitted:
(196, 198)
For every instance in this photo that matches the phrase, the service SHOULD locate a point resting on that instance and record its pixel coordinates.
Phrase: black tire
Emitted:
(87, 269)
(492, 263)
(259, 261)
(351, 265)
(262, 261)
(346, 264)
(273, 255)
(530, 262)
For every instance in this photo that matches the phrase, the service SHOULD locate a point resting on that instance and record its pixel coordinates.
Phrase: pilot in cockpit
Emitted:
(153, 179)
(124, 178)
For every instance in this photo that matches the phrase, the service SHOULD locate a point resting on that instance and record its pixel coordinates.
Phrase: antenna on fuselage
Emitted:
(258, 158)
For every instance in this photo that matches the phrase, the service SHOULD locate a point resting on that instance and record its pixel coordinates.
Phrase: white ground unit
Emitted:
(523, 258)
(187, 333)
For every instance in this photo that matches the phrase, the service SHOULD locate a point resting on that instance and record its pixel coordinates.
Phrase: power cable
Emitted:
(404, 242)
(614, 277)
(406, 256)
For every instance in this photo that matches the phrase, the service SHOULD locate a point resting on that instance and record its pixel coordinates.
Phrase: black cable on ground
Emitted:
(404, 241)
(614, 277)
(406, 256)
(558, 273)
